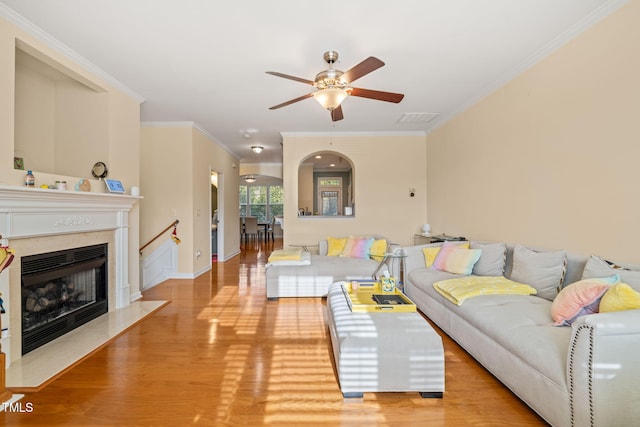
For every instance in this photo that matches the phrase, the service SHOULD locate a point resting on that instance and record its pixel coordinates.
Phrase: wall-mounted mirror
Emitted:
(325, 185)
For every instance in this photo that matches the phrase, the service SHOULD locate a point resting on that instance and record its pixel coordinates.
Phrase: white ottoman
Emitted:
(381, 352)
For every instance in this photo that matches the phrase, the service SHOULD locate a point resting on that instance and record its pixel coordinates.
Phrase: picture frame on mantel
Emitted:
(18, 163)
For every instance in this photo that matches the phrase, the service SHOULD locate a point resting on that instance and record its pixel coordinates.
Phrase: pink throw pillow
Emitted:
(357, 247)
(578, 299)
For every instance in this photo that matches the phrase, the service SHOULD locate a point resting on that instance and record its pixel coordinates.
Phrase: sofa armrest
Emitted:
(603, 370)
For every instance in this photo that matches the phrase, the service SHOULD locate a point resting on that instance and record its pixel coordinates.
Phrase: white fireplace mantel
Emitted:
(34, 212)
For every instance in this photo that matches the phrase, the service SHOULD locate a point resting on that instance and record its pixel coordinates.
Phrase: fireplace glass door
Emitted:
(61, 291)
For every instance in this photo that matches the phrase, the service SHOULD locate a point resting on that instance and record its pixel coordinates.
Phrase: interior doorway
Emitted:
(329, 195)
(215, 216)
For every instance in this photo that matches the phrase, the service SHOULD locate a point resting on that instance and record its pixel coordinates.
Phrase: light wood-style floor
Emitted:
(221, 354)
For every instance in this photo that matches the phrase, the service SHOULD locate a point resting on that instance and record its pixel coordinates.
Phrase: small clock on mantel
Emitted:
(99, 170)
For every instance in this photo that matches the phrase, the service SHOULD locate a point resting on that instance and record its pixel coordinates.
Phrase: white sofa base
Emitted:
(583, 375)
(313, 280)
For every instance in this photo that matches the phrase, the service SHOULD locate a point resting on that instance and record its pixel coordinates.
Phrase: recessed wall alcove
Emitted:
(325, 185)
(61, 118)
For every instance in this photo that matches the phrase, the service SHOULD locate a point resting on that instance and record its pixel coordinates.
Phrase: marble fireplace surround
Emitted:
(34, 220)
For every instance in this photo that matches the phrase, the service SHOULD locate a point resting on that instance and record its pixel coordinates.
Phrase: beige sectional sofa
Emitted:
(585, 374)
(312, 278)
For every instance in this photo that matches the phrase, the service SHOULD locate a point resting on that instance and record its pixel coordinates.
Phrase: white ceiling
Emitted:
(205, 61)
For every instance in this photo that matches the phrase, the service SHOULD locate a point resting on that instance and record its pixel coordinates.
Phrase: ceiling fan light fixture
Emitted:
(249, 179)
(330, 98)
(257, 149)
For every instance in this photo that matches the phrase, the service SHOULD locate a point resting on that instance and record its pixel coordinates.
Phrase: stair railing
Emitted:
(173, 224)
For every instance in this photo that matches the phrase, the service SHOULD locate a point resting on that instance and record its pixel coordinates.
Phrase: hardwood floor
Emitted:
(221, 354)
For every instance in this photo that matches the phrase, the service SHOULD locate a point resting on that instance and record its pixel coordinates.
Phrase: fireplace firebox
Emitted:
(60, 291)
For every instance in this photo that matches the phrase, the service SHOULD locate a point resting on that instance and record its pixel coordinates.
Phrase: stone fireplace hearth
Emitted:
(34, 221)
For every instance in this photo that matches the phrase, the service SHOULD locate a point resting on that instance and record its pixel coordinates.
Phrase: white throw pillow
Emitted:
(492, 260)
(542, 270)
(597, 267)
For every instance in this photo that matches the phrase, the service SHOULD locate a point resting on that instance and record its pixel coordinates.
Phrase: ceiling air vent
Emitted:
(411, 118)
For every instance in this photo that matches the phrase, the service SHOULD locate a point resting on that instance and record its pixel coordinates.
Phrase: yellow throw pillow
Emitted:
(335, 245)
(620, 297)
(430, 253)
(378, 249)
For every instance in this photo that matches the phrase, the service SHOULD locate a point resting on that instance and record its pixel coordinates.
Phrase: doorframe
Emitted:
(336, 188)
(221, 220)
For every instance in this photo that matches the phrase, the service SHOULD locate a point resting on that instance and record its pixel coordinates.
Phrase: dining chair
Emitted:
(276, 231)
(250, 228)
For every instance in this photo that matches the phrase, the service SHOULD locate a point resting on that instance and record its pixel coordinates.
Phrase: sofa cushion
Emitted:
(580, 298)
(521, 324)
(456, 260)
(542, 270)
(335, 245)
(620, 297)
(597, 267)
(378, 249)
(431, 252)
(357, 247)
(425, 277)
(492, 260)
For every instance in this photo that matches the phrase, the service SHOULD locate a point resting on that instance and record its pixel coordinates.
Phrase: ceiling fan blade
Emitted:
(291, 101)
(286, 76)
(365, 67)
(336, 114)
(377, 95)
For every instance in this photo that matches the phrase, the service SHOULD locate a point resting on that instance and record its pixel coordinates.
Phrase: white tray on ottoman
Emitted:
(383, 351)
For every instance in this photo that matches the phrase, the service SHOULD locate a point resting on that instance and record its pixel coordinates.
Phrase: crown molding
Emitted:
(168, 124)
(30, 28)
(562, 39)
(354, 134)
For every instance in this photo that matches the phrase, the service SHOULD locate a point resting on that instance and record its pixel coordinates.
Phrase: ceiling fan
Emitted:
(334, 86)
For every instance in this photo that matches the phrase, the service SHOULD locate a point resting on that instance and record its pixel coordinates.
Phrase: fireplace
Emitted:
(34, 221)
(62, 290)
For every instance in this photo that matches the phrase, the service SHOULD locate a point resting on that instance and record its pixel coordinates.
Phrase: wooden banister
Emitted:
(173, 224)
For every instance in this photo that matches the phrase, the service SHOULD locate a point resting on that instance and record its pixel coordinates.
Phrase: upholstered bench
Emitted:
(383, 352)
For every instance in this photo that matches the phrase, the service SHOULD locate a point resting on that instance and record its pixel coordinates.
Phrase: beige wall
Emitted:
(122, 128)
(267, 169)
(210, 155)
(176, 184)
(385, 168)
(305, 186)
(165, 184)
(551, 158)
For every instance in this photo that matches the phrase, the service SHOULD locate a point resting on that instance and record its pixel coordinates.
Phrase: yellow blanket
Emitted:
(286, 255)
(460, 289)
